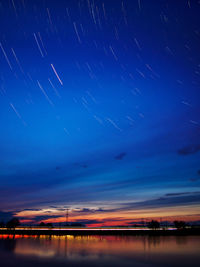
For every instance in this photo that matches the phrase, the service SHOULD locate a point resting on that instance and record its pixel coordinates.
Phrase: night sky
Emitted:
(99, 110)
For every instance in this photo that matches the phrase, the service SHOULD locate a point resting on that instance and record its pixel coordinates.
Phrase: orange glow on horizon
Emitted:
(105, 218)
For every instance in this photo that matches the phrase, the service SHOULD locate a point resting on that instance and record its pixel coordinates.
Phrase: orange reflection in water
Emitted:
(93, 247)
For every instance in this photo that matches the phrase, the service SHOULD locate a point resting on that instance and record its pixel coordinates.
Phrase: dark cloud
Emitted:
(88, 222)
(192, 149)
(100, 221)
(57, 208)
(173, 201)
(181, 194)
(169, 200)
(31, 209)
(84, 210)
(39, 218)
(91, 210)
(5, 216)
(120, 156)
(193, 179)
(82, 165)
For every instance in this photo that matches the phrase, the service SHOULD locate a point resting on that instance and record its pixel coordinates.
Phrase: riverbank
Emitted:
(100, 231)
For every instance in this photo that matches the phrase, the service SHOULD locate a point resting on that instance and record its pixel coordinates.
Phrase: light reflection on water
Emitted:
(99, 250)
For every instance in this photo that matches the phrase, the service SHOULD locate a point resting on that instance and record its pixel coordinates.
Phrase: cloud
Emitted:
(58, 168)
(137, 208)
(84, 210)
(172, 201)
(196, 178)
(120, 156)
(39, 218)
(88, 222)
(181, 194)
(5, 216)
(103, 221)
(191, 149)
(83, 165)
(92, 210)
(193, 179)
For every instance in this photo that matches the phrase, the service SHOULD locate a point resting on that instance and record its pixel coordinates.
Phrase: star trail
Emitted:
(99, 110)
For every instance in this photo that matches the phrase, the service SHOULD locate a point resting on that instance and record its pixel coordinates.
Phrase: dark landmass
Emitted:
(110, 231)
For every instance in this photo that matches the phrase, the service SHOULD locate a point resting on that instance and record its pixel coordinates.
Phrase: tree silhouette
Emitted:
(180, 224)
(13, 223)
(154, 224)
(42, 224)
(2, 224)
(46, 224)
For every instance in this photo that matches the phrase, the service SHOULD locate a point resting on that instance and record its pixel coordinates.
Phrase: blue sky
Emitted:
(99, 107)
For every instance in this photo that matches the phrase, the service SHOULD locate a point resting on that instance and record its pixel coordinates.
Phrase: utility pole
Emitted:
(67, 217)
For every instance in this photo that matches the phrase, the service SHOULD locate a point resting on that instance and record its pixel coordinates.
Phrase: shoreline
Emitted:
(102, 231)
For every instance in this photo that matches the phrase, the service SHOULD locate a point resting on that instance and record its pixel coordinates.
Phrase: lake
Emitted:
(94, 251)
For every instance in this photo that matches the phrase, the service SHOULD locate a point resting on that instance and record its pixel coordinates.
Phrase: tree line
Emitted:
(14, 222)
(155, 224)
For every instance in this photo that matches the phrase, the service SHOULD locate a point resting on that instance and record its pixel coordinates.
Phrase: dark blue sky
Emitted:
(99, 108)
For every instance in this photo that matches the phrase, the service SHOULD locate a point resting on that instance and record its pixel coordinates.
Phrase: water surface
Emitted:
(99, 251)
